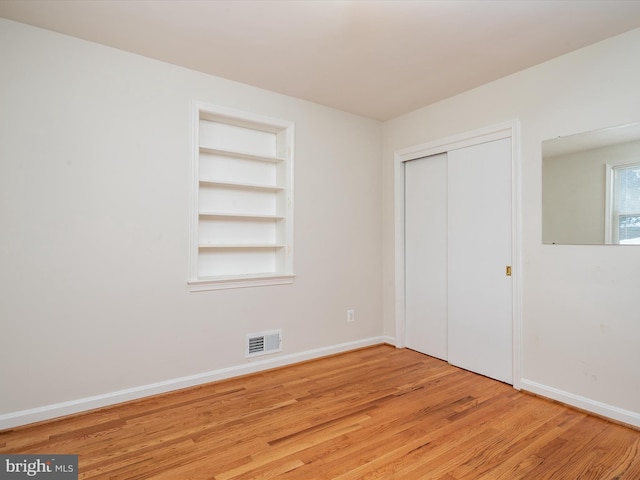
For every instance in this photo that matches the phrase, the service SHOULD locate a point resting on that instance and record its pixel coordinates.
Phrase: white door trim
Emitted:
(510, 129)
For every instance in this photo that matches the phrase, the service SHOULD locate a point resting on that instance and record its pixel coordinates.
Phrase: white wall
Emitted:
(94, 193)
(581, 323)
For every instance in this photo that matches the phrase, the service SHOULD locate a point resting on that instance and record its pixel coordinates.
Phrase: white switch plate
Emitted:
(351, 315)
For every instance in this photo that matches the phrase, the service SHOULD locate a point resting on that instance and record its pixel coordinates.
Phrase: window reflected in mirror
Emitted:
(625, 212)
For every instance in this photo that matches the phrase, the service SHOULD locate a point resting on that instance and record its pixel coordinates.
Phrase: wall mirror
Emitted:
(591, 187)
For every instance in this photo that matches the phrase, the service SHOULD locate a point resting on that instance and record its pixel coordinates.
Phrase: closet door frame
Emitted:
(510, 129)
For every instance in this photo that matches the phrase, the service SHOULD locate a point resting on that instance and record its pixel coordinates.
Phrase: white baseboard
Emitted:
(583, 403)
(389, 340)
(48, 412)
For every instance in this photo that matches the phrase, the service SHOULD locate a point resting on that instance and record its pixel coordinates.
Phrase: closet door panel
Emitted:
(426, 255)
(479, 250)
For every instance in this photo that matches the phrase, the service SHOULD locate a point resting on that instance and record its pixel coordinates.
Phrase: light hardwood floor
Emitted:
(376, 413)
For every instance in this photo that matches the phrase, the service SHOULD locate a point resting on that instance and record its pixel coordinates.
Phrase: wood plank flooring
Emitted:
(376, 413)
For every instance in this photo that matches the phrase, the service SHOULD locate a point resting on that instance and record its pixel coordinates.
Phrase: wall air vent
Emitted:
(263, 343)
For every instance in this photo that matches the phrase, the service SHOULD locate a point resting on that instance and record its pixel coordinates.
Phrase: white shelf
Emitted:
(237, 154)
(248, 186)
(235, 245)
(241, 216)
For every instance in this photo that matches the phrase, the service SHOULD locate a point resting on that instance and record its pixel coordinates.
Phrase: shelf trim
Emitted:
(239, 281)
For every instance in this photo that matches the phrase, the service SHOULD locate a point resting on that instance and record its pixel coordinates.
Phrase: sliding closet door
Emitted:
(479, 250)
(426, 255)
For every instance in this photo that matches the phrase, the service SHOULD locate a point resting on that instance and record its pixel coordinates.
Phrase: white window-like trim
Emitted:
(608, 204)
(269, 203)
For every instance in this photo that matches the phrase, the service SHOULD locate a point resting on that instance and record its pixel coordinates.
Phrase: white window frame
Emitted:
(611, 218)
(279, 251)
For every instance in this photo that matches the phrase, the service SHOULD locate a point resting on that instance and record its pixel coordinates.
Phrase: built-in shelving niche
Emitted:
(243, 183)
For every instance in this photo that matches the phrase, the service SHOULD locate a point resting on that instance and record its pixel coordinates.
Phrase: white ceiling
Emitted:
(377, 58)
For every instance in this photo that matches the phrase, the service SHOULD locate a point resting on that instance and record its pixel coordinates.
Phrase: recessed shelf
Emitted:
(241, 216)
(248, 186)
(235, 245)
(237, 154)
